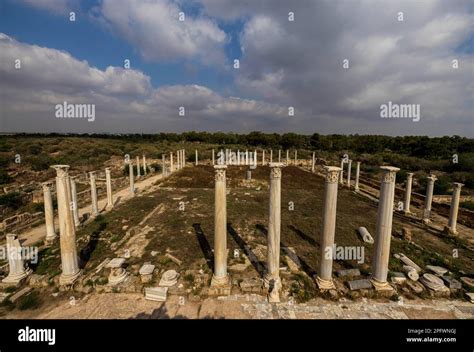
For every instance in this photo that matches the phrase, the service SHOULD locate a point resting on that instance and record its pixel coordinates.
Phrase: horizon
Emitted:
(169, 66)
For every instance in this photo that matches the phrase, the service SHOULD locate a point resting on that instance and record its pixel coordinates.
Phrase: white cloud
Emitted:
(125, 100)
(154, 28)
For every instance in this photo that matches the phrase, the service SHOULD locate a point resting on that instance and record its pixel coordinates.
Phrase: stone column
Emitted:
(69, 258)
(48, 213)
(17, 270)
(341, 180)
(429, 198)
(383, 230)
(271, 155)
(171, 162)
(75, 204)
(131, 177)
(95, 207)
(255, 158)
(246, 157)
(108, 181)
(287, 157)
(220, 277)
(144, 166)
(163, 166)
(453, 211)
(357, 177)
(263, 157)
(324, 277)
(349, 168)
(279, 155)
(313, 162)
(296, 157)
(138, 167)
(406, 206)
(196, 157)
(272, 275)
(213, 158)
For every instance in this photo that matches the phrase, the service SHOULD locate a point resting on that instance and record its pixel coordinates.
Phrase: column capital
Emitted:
(410, 174)
(275, 170)
(107, 169)
(389, 173)
(432, 178)
(92, 173)
(61, 170)
(332, 173)
(46, 186)
(457, 184)
(220, 172)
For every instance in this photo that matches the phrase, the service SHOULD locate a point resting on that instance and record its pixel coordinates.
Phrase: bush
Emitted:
(12, 200)
(468, 205)
(31, 301)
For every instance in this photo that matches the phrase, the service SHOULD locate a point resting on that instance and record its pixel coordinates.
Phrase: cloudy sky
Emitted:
(427, 59)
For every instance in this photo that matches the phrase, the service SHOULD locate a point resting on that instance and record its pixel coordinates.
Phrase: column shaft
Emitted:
(383, 229)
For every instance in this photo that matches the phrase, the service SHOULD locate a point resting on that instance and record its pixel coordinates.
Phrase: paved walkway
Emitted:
(134, 305)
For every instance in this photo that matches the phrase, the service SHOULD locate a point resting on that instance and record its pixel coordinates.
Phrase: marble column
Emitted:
(313, 162)
(357, 177)
(272, 275)
(95, 207)
(220, 276)
(131, 177)
(69, 258)
(279, 155)
(263, 157)
(429, 198)
(144, 166)
(213, 158)
(341, 180)
(324, 277)
(48, 213)
(75, 204)
(163, 166)
(171, 163)
(196, 157)
(383, 229)
(138, 167)
(453, 211)
(17, 270)
(287, 157)
(255, 158)
(246, 157)
(271, 155)
(409, 181)
(108, 182)
(349, 168)
(296, 157)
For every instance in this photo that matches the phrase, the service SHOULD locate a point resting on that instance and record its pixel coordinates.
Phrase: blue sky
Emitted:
(284, 64)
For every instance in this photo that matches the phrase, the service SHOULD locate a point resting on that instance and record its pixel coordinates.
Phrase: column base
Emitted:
(270, 281)
(16, 278)
(69, 279)
(449, 231)
(425, 221)
(109, 207)
(220, 286)
(381, 286)
(50, 239)
(325, 285)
